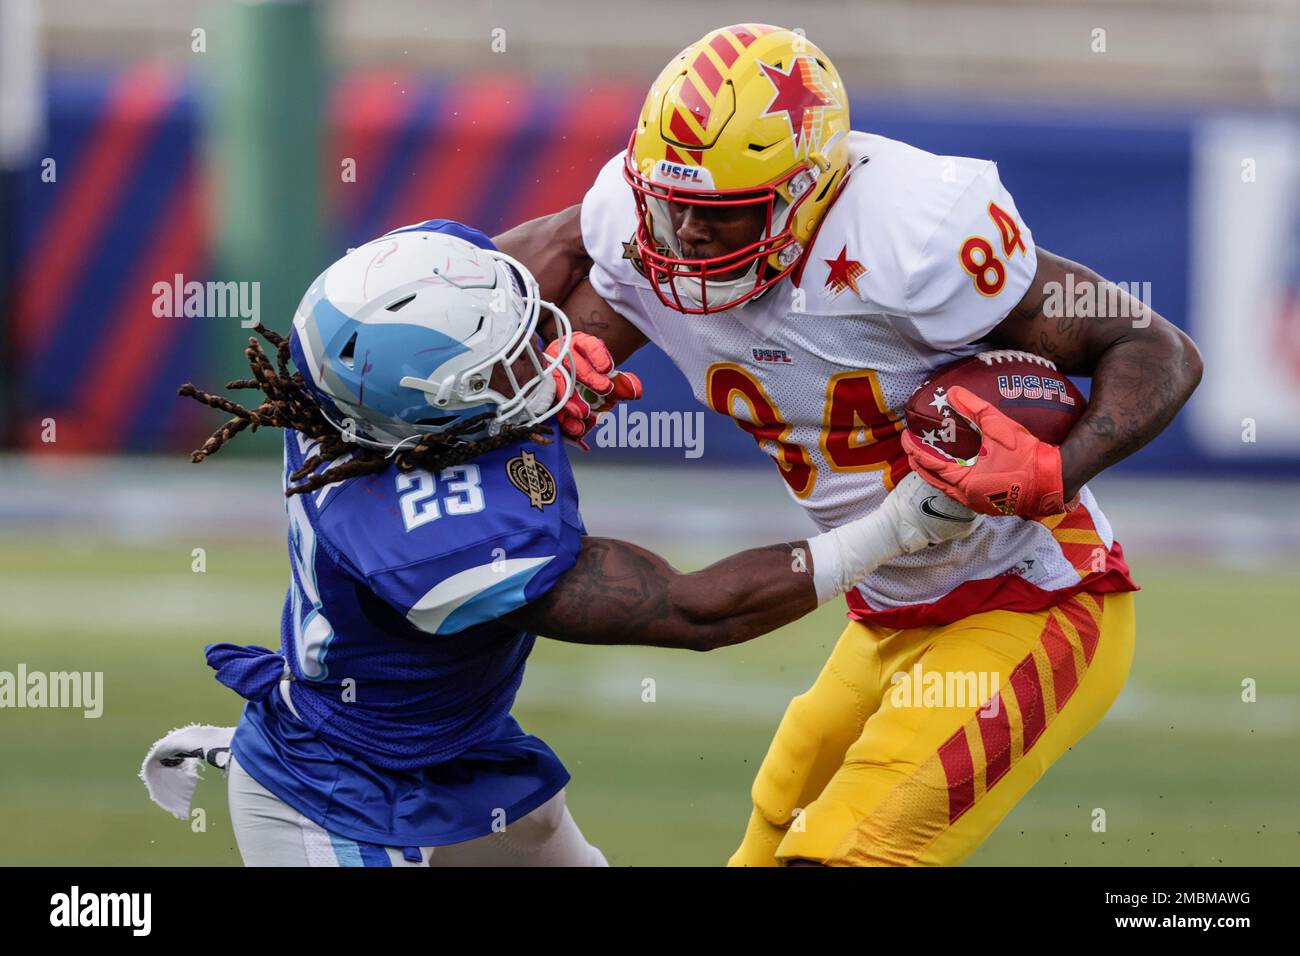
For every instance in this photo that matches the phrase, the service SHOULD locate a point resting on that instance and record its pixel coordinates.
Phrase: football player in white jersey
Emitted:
(434, 532)
(747, 220)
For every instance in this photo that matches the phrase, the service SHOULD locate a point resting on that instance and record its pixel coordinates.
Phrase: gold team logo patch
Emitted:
(632, 252)
(532, 478)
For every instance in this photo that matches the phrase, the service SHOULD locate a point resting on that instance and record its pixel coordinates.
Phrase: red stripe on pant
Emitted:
(1089, 630)
(959, 768)
(995, 732)
(1029, 698)
(995, 729)
(1060, 652)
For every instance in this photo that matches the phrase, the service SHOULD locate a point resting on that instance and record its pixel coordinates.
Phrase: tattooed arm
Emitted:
(619, 593)
(552, 249)
(1143, 368)
(589, 312)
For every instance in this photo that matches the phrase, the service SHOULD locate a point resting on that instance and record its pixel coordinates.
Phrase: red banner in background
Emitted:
(127, 211)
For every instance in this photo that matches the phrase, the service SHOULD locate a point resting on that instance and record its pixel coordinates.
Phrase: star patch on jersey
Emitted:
(532, 478)
(844, 273)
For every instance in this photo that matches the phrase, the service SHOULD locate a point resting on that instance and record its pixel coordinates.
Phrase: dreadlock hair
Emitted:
(288, 404)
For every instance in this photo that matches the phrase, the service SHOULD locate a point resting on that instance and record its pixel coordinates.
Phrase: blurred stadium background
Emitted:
(1155, 140)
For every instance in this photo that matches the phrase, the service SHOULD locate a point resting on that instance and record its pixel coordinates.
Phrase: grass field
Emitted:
(1188, 773)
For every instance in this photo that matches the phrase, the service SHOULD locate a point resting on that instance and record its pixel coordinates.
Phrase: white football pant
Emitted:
(272, 833)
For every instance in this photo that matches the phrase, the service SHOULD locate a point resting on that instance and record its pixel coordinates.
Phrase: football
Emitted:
(1025, 387)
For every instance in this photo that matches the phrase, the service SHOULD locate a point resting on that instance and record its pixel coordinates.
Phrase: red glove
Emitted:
(599, 386)
(1014, 474)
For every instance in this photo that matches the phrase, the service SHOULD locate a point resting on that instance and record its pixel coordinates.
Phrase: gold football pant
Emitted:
(913, 744)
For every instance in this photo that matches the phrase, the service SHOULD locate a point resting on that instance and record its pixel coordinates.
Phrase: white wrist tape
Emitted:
(844, 556)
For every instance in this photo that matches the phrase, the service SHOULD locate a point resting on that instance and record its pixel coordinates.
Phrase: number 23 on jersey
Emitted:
(418, 494)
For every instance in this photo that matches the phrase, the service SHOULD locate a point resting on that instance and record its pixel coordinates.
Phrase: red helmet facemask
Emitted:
(697, 286)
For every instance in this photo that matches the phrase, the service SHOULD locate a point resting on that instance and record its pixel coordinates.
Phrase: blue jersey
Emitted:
(385, 717)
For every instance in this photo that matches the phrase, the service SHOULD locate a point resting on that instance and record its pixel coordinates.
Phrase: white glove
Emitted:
(914, 516)
(171, 768)
(923, 515)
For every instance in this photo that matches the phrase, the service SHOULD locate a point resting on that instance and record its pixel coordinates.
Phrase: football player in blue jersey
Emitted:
(433, 533)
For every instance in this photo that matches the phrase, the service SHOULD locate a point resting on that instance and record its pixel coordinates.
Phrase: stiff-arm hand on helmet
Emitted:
(600, 386)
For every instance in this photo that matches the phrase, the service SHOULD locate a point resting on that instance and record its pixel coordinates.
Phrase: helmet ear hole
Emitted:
(831, 181)
(348, 355)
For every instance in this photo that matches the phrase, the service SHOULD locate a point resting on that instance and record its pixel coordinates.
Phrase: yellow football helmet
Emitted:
(751, 115)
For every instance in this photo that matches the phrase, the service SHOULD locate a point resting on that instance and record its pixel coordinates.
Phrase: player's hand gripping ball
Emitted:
(985, 432)
(599, 386)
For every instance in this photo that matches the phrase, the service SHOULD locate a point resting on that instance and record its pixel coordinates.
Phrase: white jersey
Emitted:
(918, 259)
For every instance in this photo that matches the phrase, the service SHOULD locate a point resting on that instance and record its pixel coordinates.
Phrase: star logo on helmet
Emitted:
(802, 97)
(843, 273)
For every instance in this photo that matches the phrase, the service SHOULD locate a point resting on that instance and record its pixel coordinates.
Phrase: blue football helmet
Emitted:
(419, 332)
